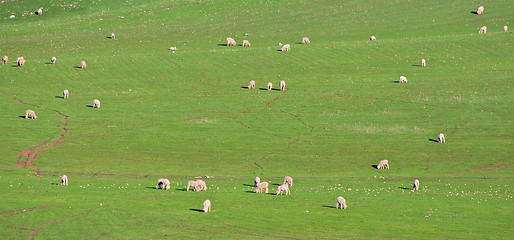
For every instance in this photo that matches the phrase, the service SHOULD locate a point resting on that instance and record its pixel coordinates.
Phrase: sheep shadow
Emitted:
(395, 81)
(78, 67)
(55, 183)
(272, 89)
(196, 210)
(15, 65)
(152, 187)
(244, 87)
(49, 63)
(109, 37)
(89, 106)
(223, 44)
(276, 184)
(404, 188)
(327, 206)
(59, 97)
(433, 140)
(248, 191)
(22, 116)
(374, 166)
(417, 65)
(248, 185)
(181, 189)
(474, 12)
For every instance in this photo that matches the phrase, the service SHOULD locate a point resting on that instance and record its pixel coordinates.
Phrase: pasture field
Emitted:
(187, 113)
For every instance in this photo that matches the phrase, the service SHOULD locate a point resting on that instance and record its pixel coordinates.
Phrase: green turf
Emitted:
(186, 113)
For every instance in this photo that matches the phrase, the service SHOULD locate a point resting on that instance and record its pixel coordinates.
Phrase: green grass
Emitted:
(185, 113)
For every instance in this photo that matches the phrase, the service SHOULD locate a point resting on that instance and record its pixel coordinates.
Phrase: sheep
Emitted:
(39, 12)
(54, 59)
(201, 185)
(251, 84)
(64, 180)
(96, 103)
(246, 43)
(193, 184)
(257, 181)
(20, 61)
(5, 59)
(341, 203)
(480, 10)
(505, 29)
(441, 138)
(372, 38)
(30, 113)
(403, 79)
(282, 188)
(423, 63)
(288, 180)
(260, 186)
(384, 164)
(164, 182)
(483, 30)
(231, 41)
(270, 86)
(83, 64)
(173, 48)
(279, 44)
(282, 85)
(207, 206)
(306, 40)
(113, 36)
(65, 93)
(416, 184)
(286, 47)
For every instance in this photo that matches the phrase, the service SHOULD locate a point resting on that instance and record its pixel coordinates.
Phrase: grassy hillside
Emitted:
(186, 113)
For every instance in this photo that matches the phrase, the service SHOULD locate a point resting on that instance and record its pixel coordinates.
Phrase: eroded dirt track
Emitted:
(482, 168)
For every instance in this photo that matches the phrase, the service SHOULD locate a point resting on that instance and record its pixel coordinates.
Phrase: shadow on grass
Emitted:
(474, 12)
(59, 97)
(152, 187)
(89, 106)
(417, 65)
(245, 87)
(276, 184)
(374, 166)
(404, 188)
(49, 63)
(78, 67)
(250, 191)
(248, 185)
(326, 206)
(55, 183)
(196, 210)
(396, 81)
(22, 116)
(273, 89)
(433, 140)
(181, 189)
(222, 44)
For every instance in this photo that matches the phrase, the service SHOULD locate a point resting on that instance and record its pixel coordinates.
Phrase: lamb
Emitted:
(246, 43)
(480, 10)
(441, 138)
(416, 184)
(403, 79)
(193, 184)
(286, 47)
(173, 48)
(83, 64)
(200, 185)
(39, 12)
(306, 40)
(483, 30)
(64, 180)
(54, 59)
(341, 203)
(30, 113)
(384, 164)
(65, 93)
(20, 61)
(207, 206)
(257, 181)
(282, 85)
(270, 86)
(113, 36)
(96, 103)
(231, 41)
(5, 59)
(288, 180)
(165, 183)
(423, 63)
(260, 186)
(251, 84)
(282, 188)
(505, 29)
(372, 38)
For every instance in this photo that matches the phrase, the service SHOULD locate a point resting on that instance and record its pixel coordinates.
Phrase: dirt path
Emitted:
(54, 221)
(482, 168)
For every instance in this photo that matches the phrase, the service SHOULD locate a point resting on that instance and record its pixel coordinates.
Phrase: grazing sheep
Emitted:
(257, 181)
(20, 61)
(384, 164)
(480, 10)
(165, 183)
(341, 203)
(173, 48)
(5, 59)
(251, 84)
(260, 186)
(64, 180)
(113, 36)
(441, 138)
(416, 184)
(403, 79)
(83, 64)
(282, 188)
(246, 43)
(65, 93)
(483, 30)
(505, 29)
(39, 12)
(423, 63)
(207, 206)
(96, 103)
(30, 113)
(306, 40)
(231, 41)
(288, 180)
(200, 184)
(282, 85)
(192, 184)
(270, 86)
(372, 38)
(286, 47)
(54, 59)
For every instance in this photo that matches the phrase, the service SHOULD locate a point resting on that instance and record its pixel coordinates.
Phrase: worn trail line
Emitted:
(482, 168)
(48, 223)
(27, 157)
(15, 212)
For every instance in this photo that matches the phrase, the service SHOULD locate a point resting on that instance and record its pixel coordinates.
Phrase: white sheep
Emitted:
(54, 59)
(372, 38)
(282, 188)
(257, 181)
(5, 59)
(246, 43)
(96, 103)
(483, 30)
(423, 63)
(480, 10)
(306, 40)
(207, 206)
(64, 180)
(20, 61)
(173, 48)
(403, 79)
(416, 184)
(83, 64)
(231, 41)
(201, 185)
(505, 28)
(441, 138)
(192, 184)
(260, 186)
(288, 180)
(113, 36)
(341, 203)
(39, 12)
(30, 113)
(286, 47)
(282, 85)
(279, 44)
(251, 84)
(65, 93)
(270, 86)
(384, 164)
(164, 182)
